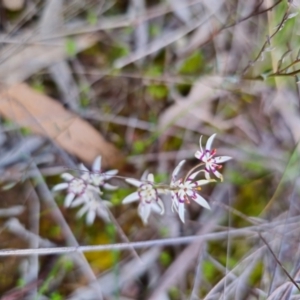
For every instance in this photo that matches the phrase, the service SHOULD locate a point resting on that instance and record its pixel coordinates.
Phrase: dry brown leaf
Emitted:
(13, 5)
(45, 116)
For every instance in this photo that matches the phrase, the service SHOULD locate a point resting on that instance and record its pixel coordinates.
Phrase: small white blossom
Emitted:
(97, 178)
(147, 194)
(77, 188)
(208, 157)
(182, 191)
(94, 206)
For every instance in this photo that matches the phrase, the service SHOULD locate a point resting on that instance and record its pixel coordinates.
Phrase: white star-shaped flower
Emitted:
(182, 191)
(207, 156)
(94, 206)
(97, 178)
(147, 194)
(76, 188)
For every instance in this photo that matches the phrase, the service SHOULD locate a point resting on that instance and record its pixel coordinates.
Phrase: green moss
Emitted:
(118, 195)
(158, 91)
(68, 264)
(26, 131)
(209, 271)
(71, 47)
(155, 30)
(174, 293)
(118, 51)
(162, 177)
(38, 85)
(56, 296)
(154, 71)
(21, 283)
(184, 88)
(255, 277)
(193, 64)
(139, 147)
(54, 231)
(165, 258)
(164, 232)
(92, 17)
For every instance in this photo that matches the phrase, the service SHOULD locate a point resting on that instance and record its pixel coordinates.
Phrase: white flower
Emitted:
(76, 187)
(94, 206)
(182, 191)
(211, 162)
(96, 177)
(147, 194)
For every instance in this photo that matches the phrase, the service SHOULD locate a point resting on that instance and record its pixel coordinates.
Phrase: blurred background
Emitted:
(138, 82)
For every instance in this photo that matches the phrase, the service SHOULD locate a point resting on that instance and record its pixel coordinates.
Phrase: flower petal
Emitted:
(218, 174)
(93, 188)
(82, 211)
(177, 169)
(67, 176)
(161, 205)
(110, 187)
(150, 177)
(144, 176)
(204, 181)
(200, 144)
(144, 212)
(174, 206)
(78, 201)
(181, 211)
(110, 173)
(83, 168)
(175, 201)
(221, 159)
(86, 173)
(134, 182)
(60, 186)
(90, 217)
(131, 198)
(207, 175)
(198, 154)
(201, 201)
(106, 203)
(193, 175)
(96, 179)
(68, 200)
(103, 214)
(97, 164)
(86, 176)
(210, 141)
(155, 207)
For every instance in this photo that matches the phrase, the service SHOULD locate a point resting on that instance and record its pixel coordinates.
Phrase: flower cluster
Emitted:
(87, 189)
(147, 194)
(207, 156)
(183, 190)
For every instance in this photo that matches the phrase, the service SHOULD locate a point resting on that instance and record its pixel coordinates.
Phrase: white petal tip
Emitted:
(210, 141)
(198, 154)
(131, 198)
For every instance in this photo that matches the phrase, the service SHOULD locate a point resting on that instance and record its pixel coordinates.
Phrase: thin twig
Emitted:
(267, 42)
(278, 262)
(126, 246)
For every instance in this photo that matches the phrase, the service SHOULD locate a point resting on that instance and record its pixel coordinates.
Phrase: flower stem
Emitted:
(191, 171)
